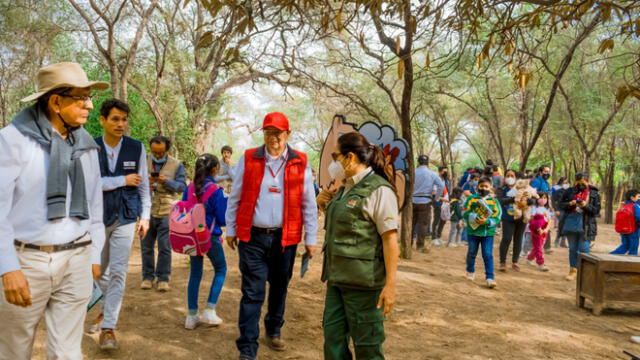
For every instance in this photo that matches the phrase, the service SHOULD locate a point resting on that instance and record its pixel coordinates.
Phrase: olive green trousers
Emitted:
(352, 314)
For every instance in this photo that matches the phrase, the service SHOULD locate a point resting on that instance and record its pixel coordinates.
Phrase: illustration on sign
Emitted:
(383, 136)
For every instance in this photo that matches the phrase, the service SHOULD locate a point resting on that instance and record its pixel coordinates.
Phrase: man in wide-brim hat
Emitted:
(51, 230)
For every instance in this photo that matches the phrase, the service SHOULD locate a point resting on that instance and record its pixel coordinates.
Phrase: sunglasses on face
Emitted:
(84, 99)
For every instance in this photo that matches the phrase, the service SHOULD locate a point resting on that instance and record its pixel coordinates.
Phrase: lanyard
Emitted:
(274, 175)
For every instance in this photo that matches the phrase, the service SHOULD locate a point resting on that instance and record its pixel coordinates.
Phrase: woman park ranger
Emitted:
(360, 251)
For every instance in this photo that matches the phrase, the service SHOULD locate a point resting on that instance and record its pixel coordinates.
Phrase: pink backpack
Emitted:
(188, 231)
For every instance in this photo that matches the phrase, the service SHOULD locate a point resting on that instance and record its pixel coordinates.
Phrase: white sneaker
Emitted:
(191, 322)
(437, 242)
(491, 283)
(209, 317)
(543, 268)
(471, 276)
(635, 339)
(529, 262)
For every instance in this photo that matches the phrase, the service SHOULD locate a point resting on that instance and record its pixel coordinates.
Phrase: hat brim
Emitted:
(93, 85)
(279, 127)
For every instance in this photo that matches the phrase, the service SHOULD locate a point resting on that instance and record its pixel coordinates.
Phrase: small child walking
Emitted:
(539, 227)
(456, 221)
(207, 167)
(482, 215)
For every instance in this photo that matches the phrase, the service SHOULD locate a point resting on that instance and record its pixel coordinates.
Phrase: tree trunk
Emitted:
(609, 184)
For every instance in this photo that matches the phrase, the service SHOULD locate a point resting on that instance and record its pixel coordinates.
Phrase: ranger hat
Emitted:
(65, 74)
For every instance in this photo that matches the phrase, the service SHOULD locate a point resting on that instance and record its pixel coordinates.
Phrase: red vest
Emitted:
(254, 165)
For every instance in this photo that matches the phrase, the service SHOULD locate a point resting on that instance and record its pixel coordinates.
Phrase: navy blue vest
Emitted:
(122, 204)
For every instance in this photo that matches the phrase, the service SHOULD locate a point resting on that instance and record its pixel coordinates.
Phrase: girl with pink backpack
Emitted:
(207, 192)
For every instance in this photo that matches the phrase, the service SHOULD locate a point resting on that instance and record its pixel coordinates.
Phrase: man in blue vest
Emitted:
(125, 186)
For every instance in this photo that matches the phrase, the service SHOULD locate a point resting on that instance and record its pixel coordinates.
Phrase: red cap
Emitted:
(276, 120)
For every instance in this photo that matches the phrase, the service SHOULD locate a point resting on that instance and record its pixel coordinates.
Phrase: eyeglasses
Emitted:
(275, 133)
(84, 99)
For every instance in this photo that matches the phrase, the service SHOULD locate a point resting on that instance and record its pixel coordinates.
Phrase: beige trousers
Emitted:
(61, 286)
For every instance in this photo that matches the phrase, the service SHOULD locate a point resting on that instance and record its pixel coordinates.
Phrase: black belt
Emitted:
(54, 248)
(268, 231)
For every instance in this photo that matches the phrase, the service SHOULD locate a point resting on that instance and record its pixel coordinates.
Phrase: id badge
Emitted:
(275, 189)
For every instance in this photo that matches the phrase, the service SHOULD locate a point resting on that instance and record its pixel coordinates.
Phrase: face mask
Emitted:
(581, 187)
(510, 180)
(159, 161)
(336, 171)
(474, 183)
(546, 176)
(565, 186)
(483, 192)
(445, 175)
(542, 202)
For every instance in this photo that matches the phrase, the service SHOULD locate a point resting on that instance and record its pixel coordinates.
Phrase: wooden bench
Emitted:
(608, 280)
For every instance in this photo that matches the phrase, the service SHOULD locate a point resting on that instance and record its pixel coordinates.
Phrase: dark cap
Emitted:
(423, 160)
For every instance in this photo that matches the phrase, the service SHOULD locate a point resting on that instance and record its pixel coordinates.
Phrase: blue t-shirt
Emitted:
(216, 207)
(470, 186)
(541, 185)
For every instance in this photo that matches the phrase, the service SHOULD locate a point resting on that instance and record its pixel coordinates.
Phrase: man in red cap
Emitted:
(272, 200)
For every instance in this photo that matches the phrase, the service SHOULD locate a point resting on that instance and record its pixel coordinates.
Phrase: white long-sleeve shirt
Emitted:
(113, 182)
(269, 208)
(23, 200)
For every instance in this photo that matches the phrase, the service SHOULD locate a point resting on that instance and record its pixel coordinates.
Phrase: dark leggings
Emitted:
(512, 231)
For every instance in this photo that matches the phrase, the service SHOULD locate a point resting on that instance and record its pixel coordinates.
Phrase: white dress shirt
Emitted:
(269, 208)
(23, 200)
(113, 182)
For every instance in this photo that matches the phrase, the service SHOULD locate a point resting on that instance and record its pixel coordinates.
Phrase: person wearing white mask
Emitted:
(360, 251)
(512, 229)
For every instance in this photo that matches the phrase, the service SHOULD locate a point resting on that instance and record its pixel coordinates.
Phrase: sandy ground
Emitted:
(439, 315)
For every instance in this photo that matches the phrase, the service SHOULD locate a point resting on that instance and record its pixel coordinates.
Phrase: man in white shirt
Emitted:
(51, 230)
(126, 196)
(272, 201)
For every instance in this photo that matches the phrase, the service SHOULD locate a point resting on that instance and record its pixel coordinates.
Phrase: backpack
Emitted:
(445, 211)
(625, 220)
(188, 231)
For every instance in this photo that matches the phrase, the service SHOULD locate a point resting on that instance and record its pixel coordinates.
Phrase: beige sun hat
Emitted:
(65, 74)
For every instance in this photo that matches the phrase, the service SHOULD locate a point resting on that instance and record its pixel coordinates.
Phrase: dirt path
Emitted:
(439, 315)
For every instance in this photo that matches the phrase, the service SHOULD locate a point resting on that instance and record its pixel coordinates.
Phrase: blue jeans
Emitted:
(476, 242)
(158, 229)
(216, 255)
(629, 245)
(577, 243)
(262, 259)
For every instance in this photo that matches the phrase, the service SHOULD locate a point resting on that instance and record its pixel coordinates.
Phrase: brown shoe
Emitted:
(515, 267)
(108, 340)
(276, 343)
(163, 286)
(96, 325)
(146, 285)
(503, 267)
